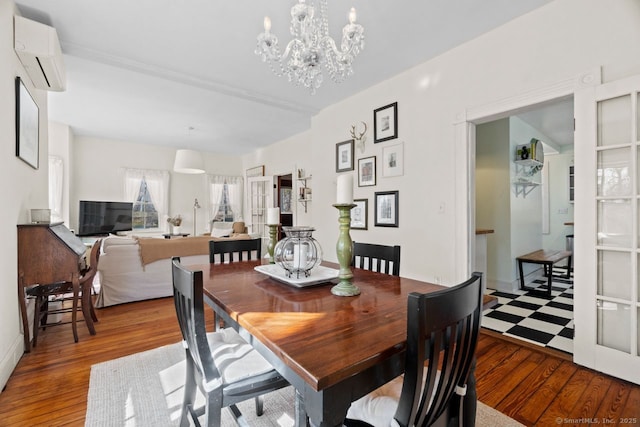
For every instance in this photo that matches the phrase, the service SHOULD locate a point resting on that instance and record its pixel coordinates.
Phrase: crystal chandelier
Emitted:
(311, 46)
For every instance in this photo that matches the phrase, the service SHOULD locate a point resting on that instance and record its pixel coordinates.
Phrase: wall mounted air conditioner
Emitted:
(39, 51)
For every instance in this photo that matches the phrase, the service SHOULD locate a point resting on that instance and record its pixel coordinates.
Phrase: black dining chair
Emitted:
(381, 258)
(222, 365)
(442, 327)
(244, 248)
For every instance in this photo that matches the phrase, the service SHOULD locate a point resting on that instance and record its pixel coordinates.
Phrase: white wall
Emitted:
(432, 96)
(98, 166)
(526, 210)
(286, 157)
(23, 188)
(493, 198)
(560, 209)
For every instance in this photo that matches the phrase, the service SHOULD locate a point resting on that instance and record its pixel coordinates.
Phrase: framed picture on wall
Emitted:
(344, 156)
(393, 160)
(359, 214)
(385, 123)
(367, 171)
(386, 204)
(27, 126)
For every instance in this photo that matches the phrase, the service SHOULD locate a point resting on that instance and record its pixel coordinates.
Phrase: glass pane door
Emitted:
(260, 197)
(607, 290)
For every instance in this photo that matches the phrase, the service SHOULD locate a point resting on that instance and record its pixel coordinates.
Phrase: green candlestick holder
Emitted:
(344, 248)
(273, 232)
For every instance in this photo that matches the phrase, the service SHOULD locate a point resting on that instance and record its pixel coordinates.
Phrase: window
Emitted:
(225, 210)
(149, 192)
(145, 214)
(226, 198)
(56, 183)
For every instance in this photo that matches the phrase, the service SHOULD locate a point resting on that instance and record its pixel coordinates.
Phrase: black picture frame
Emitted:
(344, 156)
(385, 123)
(386, 208)
(360, 214)
(27, 126)
(367, 171)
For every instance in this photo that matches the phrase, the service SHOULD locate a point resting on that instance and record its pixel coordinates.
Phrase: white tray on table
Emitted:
(319, 274)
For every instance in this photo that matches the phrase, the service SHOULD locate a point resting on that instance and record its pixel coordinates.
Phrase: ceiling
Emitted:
(146, 71)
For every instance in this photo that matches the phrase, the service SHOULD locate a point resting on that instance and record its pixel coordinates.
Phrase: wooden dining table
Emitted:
(332, 349)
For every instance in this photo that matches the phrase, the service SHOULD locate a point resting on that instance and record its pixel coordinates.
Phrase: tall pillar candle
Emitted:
(345, 190)
(273, 216)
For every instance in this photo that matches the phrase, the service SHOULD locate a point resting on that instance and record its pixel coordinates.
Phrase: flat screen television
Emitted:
(99, 218)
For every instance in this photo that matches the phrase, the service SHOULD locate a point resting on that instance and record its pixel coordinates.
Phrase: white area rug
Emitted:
(145, 390)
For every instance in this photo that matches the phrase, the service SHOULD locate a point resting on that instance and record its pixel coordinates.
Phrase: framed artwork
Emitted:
(393, 160)
(386, 204)
(344, 156)
(367, 171)
(255, 171)
(27, 126)
(385, 123)
(359, 214)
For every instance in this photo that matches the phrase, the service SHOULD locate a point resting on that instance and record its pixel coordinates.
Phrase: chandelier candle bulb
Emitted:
(345, 190)
(267, 24)
(352, 15)
(273, 216)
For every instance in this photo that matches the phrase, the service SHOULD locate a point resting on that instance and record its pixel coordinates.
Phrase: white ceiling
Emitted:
(147, 70)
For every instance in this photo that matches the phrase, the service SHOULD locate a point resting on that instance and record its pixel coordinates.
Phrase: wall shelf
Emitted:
(304, 191)
(525, 169)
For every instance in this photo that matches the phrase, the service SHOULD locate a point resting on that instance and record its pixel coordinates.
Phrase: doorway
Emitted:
(524, 198)
(284, 200)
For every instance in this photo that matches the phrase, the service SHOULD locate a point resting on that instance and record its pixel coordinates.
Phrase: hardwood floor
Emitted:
(536, 387)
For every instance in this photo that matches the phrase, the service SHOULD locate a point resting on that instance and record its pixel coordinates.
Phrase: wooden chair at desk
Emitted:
(64, 292)
(447, 320)
(226, 249)
(225, 368)
(371, 254)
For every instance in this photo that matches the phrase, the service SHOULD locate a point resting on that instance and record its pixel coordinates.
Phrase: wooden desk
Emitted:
(332, 349)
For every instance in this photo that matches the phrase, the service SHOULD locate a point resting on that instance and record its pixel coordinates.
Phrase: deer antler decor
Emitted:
(361, 138)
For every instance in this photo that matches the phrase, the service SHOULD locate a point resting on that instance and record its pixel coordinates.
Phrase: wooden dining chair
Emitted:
(244, 248)
(380, 258)
(223, 366)
(77, 294)
(442, 327)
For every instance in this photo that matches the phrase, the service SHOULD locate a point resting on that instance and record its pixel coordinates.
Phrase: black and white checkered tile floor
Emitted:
(535, 317)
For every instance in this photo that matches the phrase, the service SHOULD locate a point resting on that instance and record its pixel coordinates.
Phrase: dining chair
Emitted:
(380, 258)
(442, 327)
(62, 293)
(226, 249)
(222, 365)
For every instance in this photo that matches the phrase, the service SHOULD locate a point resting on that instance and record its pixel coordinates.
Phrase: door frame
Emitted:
(465, 148)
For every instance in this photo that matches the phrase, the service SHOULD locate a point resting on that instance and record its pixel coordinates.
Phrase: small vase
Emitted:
(176, 229)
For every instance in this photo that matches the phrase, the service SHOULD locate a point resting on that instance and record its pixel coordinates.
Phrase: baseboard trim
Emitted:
(10, 360)
(546, 350)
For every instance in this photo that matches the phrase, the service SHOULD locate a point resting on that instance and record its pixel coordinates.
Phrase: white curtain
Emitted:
(234, 189)
(56, 181)
(157, 185)
(216, 187)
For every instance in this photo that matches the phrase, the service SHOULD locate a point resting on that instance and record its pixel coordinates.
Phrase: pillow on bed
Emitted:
(221, 232)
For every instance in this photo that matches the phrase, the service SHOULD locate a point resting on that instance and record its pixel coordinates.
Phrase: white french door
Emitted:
(607, 244)
(260, 197)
